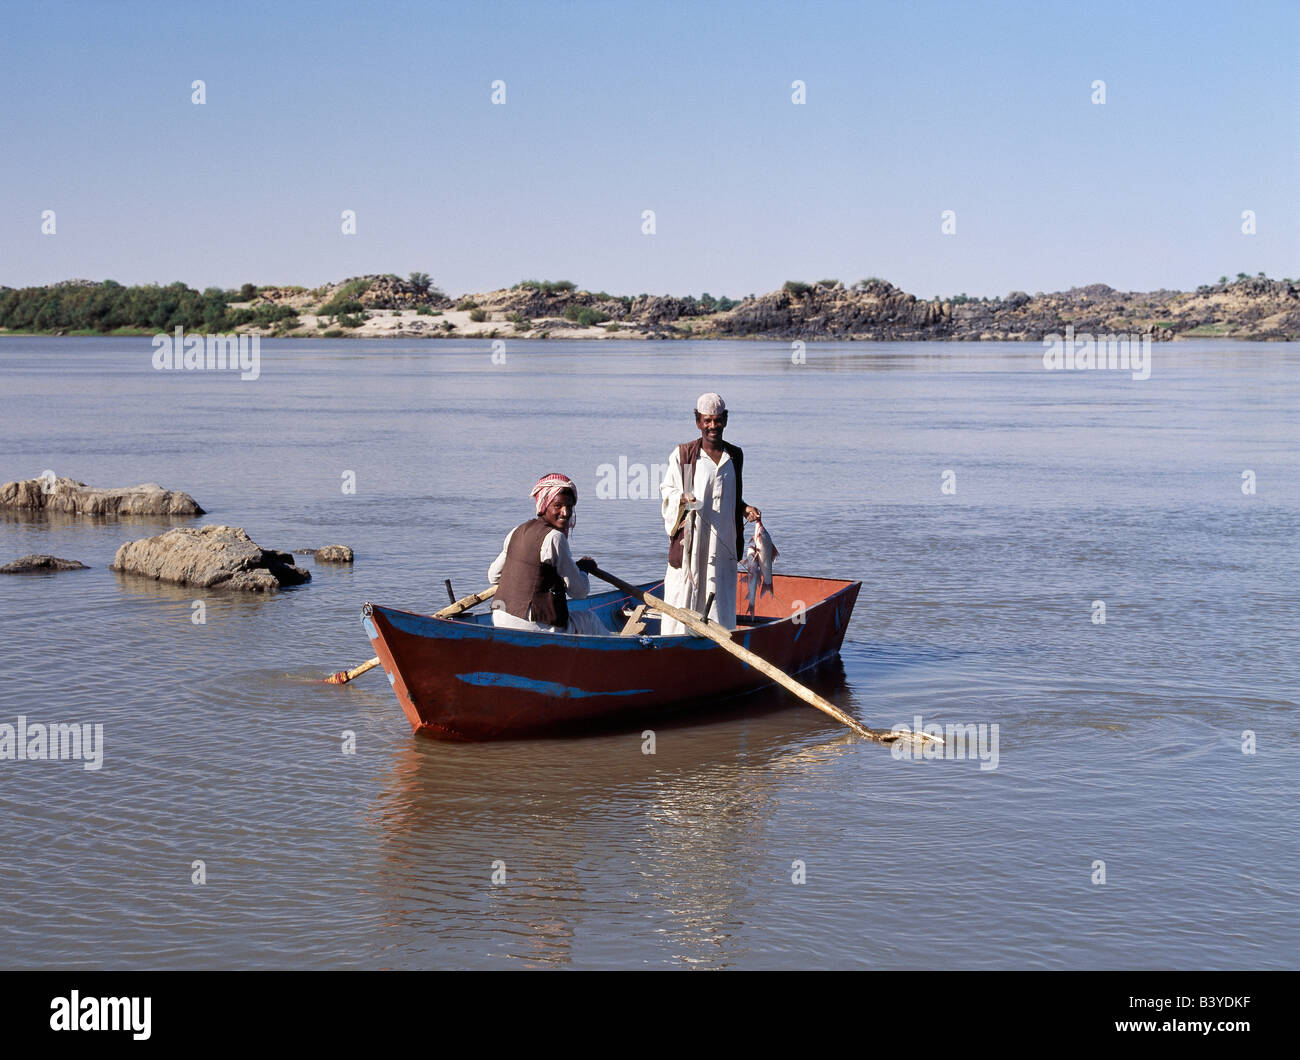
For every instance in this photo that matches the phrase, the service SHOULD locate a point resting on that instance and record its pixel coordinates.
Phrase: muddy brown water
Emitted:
(1118, 743)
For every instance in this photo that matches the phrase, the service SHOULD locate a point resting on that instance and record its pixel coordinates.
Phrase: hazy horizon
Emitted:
(311, 110)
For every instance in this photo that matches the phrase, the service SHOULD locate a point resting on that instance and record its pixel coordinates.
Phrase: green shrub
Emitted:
(248, 292)
(585, 315)
(478, 315)
(466, 303)
(345, 299)
(265, 315)
(708, 304)
(354, 288)
(338, 304)
(333, 333)
(424, 311)
(546, 286)
(794, 287)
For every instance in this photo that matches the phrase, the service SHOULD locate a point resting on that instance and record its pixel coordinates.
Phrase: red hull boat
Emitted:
(462, 678)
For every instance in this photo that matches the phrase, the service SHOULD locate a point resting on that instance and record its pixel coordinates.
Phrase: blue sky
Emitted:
(680, 108)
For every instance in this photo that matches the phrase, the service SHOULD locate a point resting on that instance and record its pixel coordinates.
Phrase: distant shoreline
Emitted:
(394, 336)
(1253, 309)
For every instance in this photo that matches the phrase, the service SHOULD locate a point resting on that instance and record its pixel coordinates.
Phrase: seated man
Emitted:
(535, 572)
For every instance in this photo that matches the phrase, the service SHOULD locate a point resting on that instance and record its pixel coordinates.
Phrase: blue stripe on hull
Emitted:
(545, 688)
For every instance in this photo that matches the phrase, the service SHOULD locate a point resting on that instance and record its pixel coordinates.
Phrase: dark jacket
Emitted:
(527, 584)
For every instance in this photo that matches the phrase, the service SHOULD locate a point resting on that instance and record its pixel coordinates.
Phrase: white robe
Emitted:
(555, 551)
(713, 549)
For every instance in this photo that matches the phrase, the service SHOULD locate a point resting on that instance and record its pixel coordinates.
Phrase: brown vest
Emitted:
(690, 453)
(529, 584)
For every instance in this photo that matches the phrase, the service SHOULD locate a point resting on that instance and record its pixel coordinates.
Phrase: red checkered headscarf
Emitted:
(551, 486)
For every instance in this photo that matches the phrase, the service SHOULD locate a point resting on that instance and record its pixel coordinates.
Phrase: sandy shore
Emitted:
(407, 323)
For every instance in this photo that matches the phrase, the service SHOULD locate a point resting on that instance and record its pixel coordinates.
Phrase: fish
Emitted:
(688, 546)
(757, 564)
(753, 572)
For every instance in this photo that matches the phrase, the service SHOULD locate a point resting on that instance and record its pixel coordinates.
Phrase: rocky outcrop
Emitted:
(373, 292)
(1247, 308)
(209, 557)
(76, 498)
(328, 554)
(658, 309)
(874, 309)
(1255, 308)
(35, 563)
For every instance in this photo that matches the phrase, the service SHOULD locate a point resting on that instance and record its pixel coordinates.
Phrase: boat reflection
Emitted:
(574, 830)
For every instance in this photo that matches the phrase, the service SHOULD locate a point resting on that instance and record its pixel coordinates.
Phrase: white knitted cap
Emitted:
(710, 405)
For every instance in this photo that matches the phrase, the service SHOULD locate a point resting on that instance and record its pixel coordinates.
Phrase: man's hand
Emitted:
(587, 565)
(752, 514)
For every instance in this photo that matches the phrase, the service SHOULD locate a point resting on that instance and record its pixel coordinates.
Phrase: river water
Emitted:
(1136, 814)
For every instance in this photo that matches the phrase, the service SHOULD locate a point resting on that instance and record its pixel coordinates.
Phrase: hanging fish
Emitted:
(689, 521)
(757, 564)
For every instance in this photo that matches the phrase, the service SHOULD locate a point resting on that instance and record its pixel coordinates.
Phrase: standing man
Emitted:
(704, 515)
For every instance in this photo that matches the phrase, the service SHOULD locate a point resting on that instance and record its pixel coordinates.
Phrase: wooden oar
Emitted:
(463, 604)
(723, 638)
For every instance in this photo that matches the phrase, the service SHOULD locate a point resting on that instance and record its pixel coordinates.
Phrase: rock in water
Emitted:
(333, 554)
(328, 554)
(76, 498)
(209, 557)
(27, 564)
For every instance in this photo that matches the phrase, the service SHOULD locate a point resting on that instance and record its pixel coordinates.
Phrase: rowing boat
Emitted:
(462, 678)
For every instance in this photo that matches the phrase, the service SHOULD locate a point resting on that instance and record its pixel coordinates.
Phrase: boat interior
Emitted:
(623, 615)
